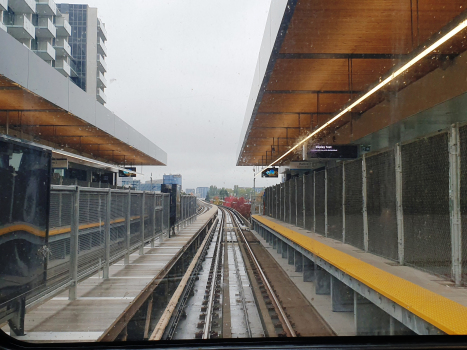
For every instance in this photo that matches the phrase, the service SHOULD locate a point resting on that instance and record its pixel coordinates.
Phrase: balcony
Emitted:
(101, 97)
(101, 29)
(62, 47)
(3, 5)
(101, 81)
(101, 65)
(45, 51)
(62, 66)
(22, 6)
(101, 48)
(22, 28)
(63, 27)
(45, 29)
(46, 8)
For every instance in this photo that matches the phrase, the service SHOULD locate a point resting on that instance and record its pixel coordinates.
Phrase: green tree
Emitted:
(207, 197)
(223, 193)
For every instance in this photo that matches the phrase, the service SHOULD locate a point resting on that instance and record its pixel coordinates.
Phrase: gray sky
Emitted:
(180, 72)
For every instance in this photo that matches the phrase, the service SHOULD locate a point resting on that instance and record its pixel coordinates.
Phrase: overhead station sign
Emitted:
(270, 172)
(128, 172)
(333, 152)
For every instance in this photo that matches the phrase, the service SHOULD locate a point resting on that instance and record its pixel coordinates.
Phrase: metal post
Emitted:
(365, 212)
(296, 202)
(454, 198)
(343, 202)
(141, 247)
(303, 200)
(326, 201)
(314, 201)
(126, 260)
(153, 220)
(399, 210)
(74, 246)
(290, 203)
(107, 235)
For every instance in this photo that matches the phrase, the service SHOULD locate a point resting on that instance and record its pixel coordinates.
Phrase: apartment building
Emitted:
(87, 41)
(39, 26)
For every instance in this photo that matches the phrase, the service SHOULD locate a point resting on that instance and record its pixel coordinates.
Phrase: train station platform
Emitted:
(100, 302)
(384, 297)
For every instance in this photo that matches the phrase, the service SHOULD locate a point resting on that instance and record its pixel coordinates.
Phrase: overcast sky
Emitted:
(180, 72)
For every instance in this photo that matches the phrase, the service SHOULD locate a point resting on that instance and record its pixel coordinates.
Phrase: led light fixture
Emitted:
(386, 81)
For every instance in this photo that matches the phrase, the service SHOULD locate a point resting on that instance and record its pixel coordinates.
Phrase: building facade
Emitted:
(87, 41)
(175, 179)
(202, 192)
(41, 27)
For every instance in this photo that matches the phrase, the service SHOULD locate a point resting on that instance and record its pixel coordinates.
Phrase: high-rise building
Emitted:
(202, 192)
(39, 26)
(190, 191)
(172, 179)
(87, 41)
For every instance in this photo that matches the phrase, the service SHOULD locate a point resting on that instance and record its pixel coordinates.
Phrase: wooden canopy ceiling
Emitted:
(27, 114)
(333, 51)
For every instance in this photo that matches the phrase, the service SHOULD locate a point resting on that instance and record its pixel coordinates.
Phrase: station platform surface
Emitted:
(428, 296)
(99, 302)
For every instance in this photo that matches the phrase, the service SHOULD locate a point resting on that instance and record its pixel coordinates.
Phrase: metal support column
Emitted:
(314, 201)
(454, 198)
(126, 260)
(108, 203)
(74, 246)
(326, 201)
(343, 202)
(399, 210)
(153, 220)
(141, 226)
(303, 200)
(365, 213)
(296, 202)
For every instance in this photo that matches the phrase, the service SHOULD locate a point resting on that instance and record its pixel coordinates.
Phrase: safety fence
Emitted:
(91, 228)
(407, 203)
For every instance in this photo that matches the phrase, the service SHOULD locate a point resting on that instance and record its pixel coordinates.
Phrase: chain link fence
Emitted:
(354, 203)
(299, 186)
(425, 185)
(320, 206)
(293, 203)
(309, 202)
(334, 202)
(381, 205)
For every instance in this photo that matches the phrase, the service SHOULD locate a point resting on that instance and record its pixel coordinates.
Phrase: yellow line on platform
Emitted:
(443, 313)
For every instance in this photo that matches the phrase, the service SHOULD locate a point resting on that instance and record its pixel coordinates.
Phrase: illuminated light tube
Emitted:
(398, 72)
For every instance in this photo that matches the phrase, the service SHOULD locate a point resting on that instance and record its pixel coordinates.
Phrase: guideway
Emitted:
(233, 289)
(119, 306)
(380, 297)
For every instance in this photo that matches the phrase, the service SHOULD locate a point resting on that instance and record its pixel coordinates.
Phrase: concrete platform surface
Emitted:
(99, 302)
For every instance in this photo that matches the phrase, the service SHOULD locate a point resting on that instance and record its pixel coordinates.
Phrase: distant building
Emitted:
(87, 42)
(190, 191)
(202, 192)
(129, 182)
(175, 179)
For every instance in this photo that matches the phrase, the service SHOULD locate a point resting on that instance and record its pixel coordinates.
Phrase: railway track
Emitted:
(227, 294)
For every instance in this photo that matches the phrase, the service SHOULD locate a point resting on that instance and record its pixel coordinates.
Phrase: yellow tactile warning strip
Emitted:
(447, 315)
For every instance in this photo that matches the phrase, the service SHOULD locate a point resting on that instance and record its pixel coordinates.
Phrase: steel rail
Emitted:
(281, 313)
(209, 311)
(239, 278)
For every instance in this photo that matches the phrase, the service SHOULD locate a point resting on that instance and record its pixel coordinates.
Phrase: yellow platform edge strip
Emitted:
(443, 313)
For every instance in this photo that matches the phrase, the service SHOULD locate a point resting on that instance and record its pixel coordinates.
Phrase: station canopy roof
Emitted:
(328, 53)
(39, 104)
